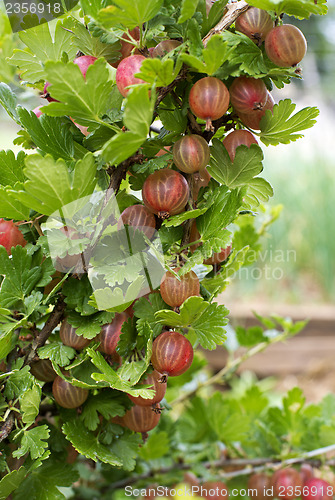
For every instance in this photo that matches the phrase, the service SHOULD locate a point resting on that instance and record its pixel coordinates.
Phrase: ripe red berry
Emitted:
(248, 94)
(164, 47)
(69, 337)
(141, 418)
(259, 483)
(255, 23)
(285, 45)
(191, 153)
(43, 370)
(84, 62)
(172, 354)
(217, 257)
(159, 388)
(209, 99)
(10, 235)
(317, 489)
(68, 395)
(213, 490)
(140, 218)
(165, 192)
(175, 291)
(253, 120)
(38, 111)
(127, 47)
(125, 72)
(110, 335)
(286, 483)
(238, 138)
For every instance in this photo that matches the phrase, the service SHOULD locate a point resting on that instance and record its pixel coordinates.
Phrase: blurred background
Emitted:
(294, 274)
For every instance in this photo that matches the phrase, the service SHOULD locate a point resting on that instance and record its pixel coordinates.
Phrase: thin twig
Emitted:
(7, 427)
(54, 319)
(248, 466)
(233, 10)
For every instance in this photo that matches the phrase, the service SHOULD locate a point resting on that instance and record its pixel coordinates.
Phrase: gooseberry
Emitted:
(285, 45)
(172, 354)
(175, 291)
(191, 153)
(209, 99)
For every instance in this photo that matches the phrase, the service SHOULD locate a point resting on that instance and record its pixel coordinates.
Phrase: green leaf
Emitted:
(57, 352)
(137, 118)
(145, 310)
(126, 448)
(49, 134)
(279, 126)
(251, 336)
(156, 446)
(34, 442)
(87, 443)
(43, 482)
(10, 207)
(226, 419)
(50, 185)
(203, 320)
(18, 382)
(10, 482)
(8, 101)
(91, 45)
(298, 8)
(11, 168)
(213, 56)
(108, 403)
(84, 99)
(158, 71)
(259, 190)
(128, 13)
(30, 404)
(21, 274)
(112, 378)
(89, 326)
(42, 47)
(188, 8)
(247, 164)
(77, 294)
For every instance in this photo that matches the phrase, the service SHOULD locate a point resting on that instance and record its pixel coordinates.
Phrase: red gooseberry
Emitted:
(254, 23)
(175, 291)
(68, 395)
(238, 138)
(159, 388)
(10, 235)
(209, 99)
(191, 153)
(172, 354)
(285, 45)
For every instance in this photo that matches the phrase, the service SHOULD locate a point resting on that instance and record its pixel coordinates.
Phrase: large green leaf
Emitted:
(50, 185)
(297, 8)
(11, 482)
(129, 13)
(42, 47)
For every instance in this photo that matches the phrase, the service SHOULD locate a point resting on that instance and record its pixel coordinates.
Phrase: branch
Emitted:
(230, 366)
(248, 466)
(7, 427)
(117, 174)
(233, 10)
(54, 319)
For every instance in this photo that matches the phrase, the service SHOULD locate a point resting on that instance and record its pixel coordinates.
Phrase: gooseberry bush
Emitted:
(135, 199)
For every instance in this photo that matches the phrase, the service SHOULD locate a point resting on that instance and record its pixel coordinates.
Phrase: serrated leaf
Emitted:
(57, 352)
(34, 442)
(11, 481)
(259, 190)
(158, 71)
(50, 185)
(128, 13)
(137, 118)
(44, 480)
(279, 126)
(205, 321)
(251, 336)
(298, 8)
(8, 101)
(30, 404)
(108, 403)
(11, 168)
(87, 443)
(42, 47)
(89, 326)
(213, 56)
(10, 207)
(247, 164)
(156, 446)
(188, 8)
(84, 99)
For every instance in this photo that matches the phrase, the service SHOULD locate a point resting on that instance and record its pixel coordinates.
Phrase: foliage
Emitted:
(80, 263)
